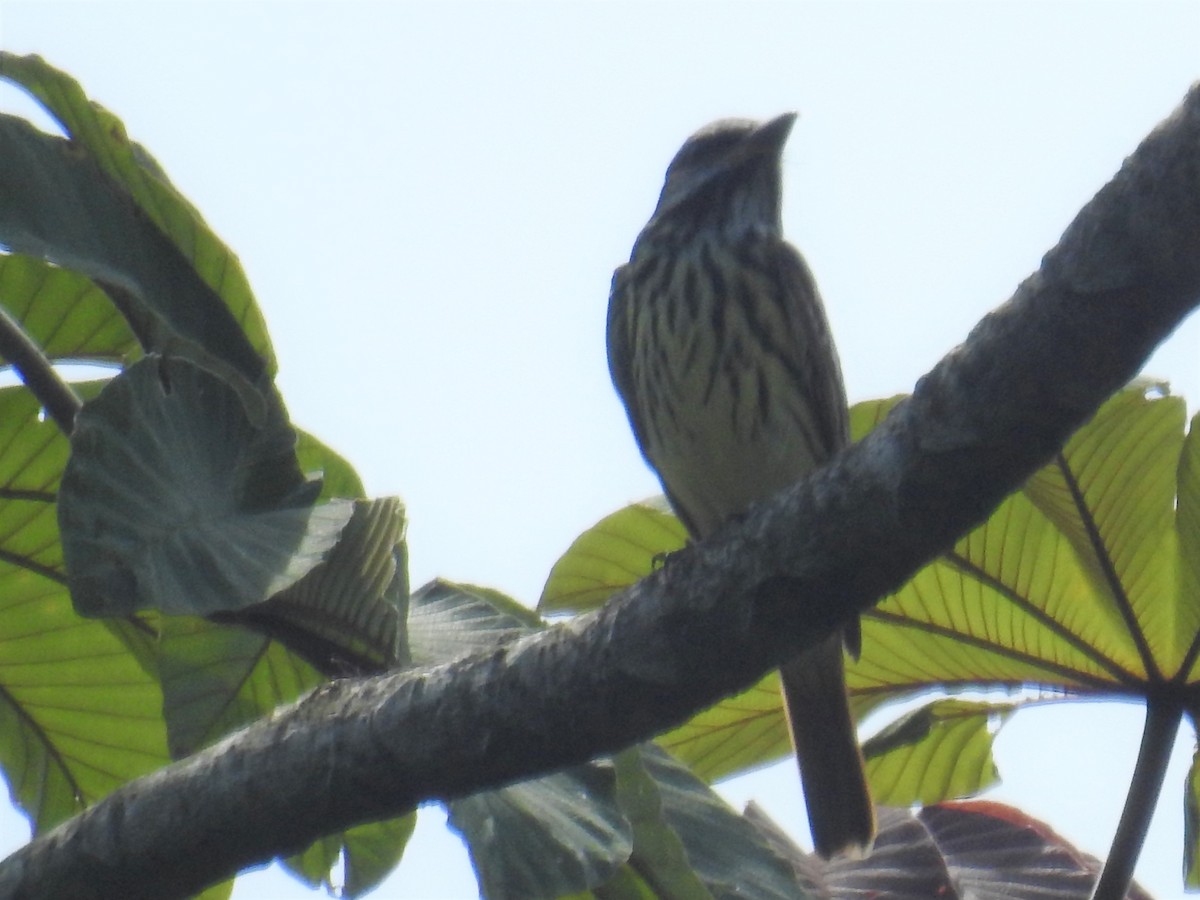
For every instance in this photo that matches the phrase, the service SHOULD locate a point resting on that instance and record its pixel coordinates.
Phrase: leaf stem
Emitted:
(56, 396)
(1163, 715)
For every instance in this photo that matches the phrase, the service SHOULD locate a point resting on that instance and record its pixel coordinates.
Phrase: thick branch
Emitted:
(717, 617)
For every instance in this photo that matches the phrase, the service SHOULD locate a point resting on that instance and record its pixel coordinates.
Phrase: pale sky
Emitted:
(429, 200)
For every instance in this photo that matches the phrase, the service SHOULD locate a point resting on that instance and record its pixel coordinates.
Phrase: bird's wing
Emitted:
(819, 361)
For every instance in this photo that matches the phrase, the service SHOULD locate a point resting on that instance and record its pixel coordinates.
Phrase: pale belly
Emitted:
(720, 384)
(724, 449)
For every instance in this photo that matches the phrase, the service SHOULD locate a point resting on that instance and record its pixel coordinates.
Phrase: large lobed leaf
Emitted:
(64, 313)
(614, 553)
(175, 499)
(1070, 586)
(81, 706)
(942, 749)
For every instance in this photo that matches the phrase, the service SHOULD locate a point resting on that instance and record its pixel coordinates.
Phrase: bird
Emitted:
(721, 352)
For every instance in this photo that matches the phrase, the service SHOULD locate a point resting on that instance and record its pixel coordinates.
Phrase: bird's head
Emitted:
(727, 176)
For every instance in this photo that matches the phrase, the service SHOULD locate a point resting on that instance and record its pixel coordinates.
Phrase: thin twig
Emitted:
(57, 397)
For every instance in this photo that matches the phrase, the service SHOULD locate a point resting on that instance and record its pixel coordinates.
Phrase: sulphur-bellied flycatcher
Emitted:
(719, 348)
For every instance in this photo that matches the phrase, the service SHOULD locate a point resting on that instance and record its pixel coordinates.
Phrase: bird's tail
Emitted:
(840, 811)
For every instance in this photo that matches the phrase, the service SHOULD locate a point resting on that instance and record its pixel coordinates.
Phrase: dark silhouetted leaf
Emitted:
(175, 500)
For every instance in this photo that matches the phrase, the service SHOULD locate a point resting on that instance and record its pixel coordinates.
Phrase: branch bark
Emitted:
(716, 617)
(58, 398)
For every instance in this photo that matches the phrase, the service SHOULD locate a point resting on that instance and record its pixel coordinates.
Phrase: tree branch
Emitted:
(717, 616)
(57, 397)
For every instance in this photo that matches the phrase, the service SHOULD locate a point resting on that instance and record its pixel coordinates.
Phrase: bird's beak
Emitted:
(764, 142)
(770, 136)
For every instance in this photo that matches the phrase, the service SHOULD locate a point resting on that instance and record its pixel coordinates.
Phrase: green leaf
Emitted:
(338, 477)
(865, 416)
(735, 735)
(661, 858)
(985, 614)
(555, 835)
(102, 135)
(217, 679)
(1191, 825)
(614, 553)
(728, 854)
(79, 706)
(79, 716)
(1023, 599)
(348, 613)
(942, 750)
(175, 500)
(222, 891)
(1070, 585)
(1112, 494)
(312, 865)
(448, 620)
(64, 313)
(372, 852)
(1066, 586)
(1182, 620)
(55, 204)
